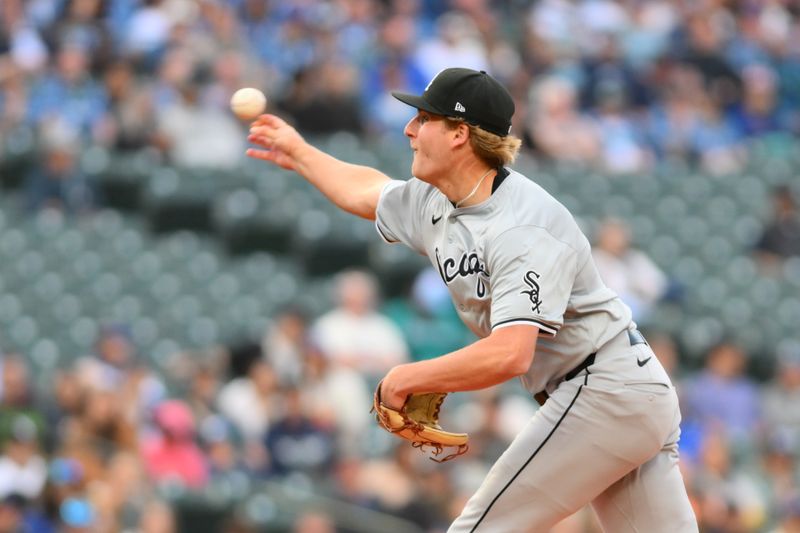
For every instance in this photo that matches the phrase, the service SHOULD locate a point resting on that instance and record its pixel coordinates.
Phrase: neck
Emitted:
(473, 192)
(469, 186)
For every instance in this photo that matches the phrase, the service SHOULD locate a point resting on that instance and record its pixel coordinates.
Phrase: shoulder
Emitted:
(411, 188)
(528, 207)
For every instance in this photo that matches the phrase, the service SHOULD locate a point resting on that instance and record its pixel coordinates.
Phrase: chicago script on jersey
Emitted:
(468, 264)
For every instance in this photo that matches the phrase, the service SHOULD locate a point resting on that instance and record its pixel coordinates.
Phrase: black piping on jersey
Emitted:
(546, 328)
(547, 438)
(502, 174)
(385, 238)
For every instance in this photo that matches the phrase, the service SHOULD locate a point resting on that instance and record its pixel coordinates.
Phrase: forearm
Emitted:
(354, 188)
(485, 363)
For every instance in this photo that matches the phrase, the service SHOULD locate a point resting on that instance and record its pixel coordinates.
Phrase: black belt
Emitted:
(634, 337)
(589, 361)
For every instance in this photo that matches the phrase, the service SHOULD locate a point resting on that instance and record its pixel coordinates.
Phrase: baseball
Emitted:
(248, 103)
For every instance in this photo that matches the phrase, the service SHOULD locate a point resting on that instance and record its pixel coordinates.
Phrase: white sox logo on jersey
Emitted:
(468, 265)
(533, 292)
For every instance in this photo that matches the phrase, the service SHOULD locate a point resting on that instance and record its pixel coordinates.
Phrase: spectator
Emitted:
(203, 390)
(728, 498)
(427, 317)
(717, 143)
(80, 23)
(157, 517)
(297, 444)
(314, 522)
(557, 129)
(249, 401)
(58, 181)
(148, 31)
(757, 113)
(130, 124)
(172, 456)
(627, 271)
(623, 150)
(457, 42)
(217, 437)
(333, 397)
(199, 137)
(789, 517)
(325, 100)
(779, 480)
(722, 398)
(285, 344)
(781, 237)
(12, 514)
(23, 470)
(783, 391)
(354, 334)
(69, 94)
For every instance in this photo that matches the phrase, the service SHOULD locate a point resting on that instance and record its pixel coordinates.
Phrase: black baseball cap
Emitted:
(468, 94)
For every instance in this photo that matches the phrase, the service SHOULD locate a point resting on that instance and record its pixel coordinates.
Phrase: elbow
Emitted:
(518, 362)
(519, 365)
(515, 346)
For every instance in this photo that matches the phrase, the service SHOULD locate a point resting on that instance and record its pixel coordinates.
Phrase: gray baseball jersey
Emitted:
(520, 258)
(517, 258)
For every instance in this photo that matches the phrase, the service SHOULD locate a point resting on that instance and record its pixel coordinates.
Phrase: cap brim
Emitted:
(416, 101)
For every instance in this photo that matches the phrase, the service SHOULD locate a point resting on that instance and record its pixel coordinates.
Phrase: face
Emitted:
(431, 142)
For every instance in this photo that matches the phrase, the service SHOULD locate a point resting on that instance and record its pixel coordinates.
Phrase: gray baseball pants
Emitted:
(609, 437)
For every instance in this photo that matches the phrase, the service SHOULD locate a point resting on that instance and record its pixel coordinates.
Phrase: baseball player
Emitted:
(521, 276)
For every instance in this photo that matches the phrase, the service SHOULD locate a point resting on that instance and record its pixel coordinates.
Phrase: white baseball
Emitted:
(248, 103)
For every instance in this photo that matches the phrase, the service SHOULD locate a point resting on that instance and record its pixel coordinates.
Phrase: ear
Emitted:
(460, 135)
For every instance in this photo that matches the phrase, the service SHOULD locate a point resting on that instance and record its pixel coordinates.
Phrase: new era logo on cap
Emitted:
(468, 94)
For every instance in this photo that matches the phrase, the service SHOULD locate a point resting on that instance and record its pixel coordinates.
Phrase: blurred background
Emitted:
(190, 339)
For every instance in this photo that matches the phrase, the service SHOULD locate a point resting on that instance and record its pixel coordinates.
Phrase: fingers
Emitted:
(268, 120)
(261, 140)
(273, 156)
(265, 155)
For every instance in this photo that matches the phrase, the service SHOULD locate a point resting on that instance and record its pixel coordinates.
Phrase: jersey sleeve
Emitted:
(532, 274)
(398, 213)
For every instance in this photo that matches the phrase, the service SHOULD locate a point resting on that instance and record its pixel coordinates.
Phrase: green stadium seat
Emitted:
(126, 308)
(788, 312)
(49, 287)
(146, 267)
(121, 177)
(664, 250)
(791, 271)
(12, 242)
(45, 354)
(736, 312)
(176, 199)
(165, 287)
(747, 229)
(69, 244)
(689, 270)
(144, 331)
(717, 251)
(10, 308)
(19, 156)
(23, 332)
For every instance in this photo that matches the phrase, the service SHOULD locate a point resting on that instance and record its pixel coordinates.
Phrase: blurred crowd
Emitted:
(105, 444)
(619, 85)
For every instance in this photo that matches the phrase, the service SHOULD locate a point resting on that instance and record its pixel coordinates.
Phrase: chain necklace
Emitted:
(474, 190)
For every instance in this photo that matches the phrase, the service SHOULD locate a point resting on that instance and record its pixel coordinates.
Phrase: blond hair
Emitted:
(490, 148)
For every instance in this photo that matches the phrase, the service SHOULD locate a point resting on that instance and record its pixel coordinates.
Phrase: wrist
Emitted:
(397, 380)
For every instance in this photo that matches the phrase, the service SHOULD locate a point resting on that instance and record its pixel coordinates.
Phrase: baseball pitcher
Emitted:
(521, 276)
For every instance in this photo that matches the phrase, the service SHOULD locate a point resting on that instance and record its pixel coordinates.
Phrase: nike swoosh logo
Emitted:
(434, 219)
(642, 363)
